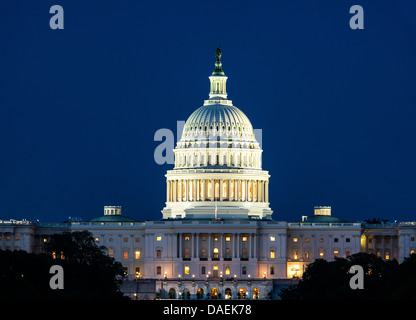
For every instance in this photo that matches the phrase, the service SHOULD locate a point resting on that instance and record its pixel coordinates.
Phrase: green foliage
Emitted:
(323, 280)
(89, 273)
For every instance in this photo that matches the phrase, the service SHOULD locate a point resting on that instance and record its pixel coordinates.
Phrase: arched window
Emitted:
(172, 293)
(200, 293)
(216, 253)
(227, 293)
(256, 293)
(241, 293)
(186, 295)
(214, 293)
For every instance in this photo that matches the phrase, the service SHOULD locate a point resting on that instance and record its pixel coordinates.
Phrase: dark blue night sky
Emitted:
(79, 107)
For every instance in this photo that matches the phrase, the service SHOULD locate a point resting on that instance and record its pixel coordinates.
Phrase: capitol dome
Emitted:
(218, 168)
(218, 119)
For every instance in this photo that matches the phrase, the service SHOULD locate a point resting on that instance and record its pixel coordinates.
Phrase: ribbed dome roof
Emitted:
(221, 118)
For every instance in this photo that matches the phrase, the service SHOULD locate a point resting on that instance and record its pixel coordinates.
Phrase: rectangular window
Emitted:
(243, 270)
(295, 239)
(186, 269)
(159, 254)
(125, 254)
(137, 239)
(307, 240)
(335, 239)
(158, 238)
(244, 239)
(272, 270)
(125, 239)
(137, 272)
(137, 254)
(228, 239)
(335, 254)
(348, 240)
(272, 254)
(158, 270)
(203, 270)
(272, 238)
(111, 252)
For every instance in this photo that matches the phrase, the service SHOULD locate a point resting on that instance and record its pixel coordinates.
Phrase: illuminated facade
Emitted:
(216, 238)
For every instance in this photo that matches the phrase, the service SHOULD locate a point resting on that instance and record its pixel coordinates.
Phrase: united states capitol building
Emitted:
(216, 238)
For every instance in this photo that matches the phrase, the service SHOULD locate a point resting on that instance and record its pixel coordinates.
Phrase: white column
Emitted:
(197, 189)
(192, 255)
(267, 191)
(233, 255)
(221, 188)
(221, 248)
(197, 246)
(209, 254)
(180, 190)
(249, 246)
(238, 245)
(180, 245)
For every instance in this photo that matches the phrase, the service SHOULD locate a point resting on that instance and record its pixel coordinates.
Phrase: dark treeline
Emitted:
(323, 280)
(89, 273)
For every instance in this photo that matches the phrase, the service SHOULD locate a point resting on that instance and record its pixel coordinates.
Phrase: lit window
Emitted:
(137, 239)
(215, 239)
(125, 254)
(335, 254)
(387, 255)
(186, 238)
(111, 252)
(307, 240)
(272, 254)
(228, 239)
(295, 239)
(244, 239)
(272, 238)
(159, 238)
(137, 254)
(125, 239)
(96, 239)
(17, 237)
(295, 255)
(186, 270)
(44, 239)
(227, 270)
